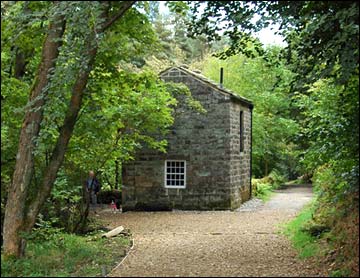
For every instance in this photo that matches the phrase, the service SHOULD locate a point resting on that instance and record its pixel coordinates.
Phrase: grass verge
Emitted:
(306, 244)
(65, 255)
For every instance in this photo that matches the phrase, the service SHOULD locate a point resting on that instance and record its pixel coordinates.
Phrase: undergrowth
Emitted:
(299, 232)
(64, 255)
(263, 188)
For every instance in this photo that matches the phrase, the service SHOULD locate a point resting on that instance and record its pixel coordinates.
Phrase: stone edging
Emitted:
(123, 259)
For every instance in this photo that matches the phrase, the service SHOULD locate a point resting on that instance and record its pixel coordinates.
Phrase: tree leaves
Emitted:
(273, 127)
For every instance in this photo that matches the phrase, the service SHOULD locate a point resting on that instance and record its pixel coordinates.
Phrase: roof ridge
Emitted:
(211, 82)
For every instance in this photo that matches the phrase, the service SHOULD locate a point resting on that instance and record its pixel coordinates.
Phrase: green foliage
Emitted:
(234, 17)
(337, 198)
(123, 108)
(65, 255)
(175, 45)
(65, 206)
(179, 7)
(273, 126)
(330, 122)
(322, 37)
(338, 209)
(44, 230)
(276, 179)
(305, 243)
(263, 190)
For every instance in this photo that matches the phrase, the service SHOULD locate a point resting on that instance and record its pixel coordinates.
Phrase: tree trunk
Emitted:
(24, 166)
(83, 210)
(19, 218)
(64, 136)
(70, 118)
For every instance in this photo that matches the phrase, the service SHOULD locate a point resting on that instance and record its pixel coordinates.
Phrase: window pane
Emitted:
(175, 173)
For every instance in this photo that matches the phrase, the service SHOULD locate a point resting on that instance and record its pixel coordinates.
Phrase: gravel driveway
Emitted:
(245, 242)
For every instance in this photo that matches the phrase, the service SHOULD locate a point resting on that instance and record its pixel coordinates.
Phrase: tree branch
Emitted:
(126, 5)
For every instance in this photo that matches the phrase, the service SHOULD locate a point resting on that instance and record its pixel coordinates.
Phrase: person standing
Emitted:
(93, 187)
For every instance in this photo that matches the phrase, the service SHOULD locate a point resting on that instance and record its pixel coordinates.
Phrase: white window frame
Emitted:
(166, 173)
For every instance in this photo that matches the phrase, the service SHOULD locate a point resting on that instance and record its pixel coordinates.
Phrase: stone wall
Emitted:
(240, 160)
(207, 142)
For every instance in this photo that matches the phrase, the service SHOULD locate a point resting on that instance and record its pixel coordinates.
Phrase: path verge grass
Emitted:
(305, 243)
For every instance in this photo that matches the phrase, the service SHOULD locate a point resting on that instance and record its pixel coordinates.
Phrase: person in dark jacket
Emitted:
(93, 187)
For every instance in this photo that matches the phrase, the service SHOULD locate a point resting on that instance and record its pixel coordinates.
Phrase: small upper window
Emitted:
(241, 131)
(175, 173)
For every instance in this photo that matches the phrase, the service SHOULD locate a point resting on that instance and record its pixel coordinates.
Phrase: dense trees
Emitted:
(92, 79)
(77, 27)
(323, 57)
(80, 90)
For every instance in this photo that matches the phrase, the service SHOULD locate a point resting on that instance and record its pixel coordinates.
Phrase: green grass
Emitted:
(306, 244)
(66, 255)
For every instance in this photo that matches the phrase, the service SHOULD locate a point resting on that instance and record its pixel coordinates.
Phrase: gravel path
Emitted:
(245, 242)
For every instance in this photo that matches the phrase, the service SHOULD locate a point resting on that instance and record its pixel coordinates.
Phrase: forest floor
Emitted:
(246, 242)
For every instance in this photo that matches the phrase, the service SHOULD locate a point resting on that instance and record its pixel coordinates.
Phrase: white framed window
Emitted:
(175, 174)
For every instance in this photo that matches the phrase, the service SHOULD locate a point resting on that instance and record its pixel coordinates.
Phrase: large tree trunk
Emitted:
(24, 167)
(64, 136)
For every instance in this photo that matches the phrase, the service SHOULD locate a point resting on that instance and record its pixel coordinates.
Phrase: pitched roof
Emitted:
(212, 84)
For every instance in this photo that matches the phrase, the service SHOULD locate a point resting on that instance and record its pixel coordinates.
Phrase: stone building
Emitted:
(208, 161)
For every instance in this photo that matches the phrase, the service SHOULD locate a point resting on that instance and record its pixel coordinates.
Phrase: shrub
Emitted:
(66, 255)
(338, 209)
(263, 190)
(276, 179)
(263, 187)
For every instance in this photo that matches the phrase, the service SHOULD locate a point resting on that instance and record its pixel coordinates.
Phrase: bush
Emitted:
(263, 187)
(66, 255)
(276, 179)
(263, 191)
(338, 209)
(66, 207)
